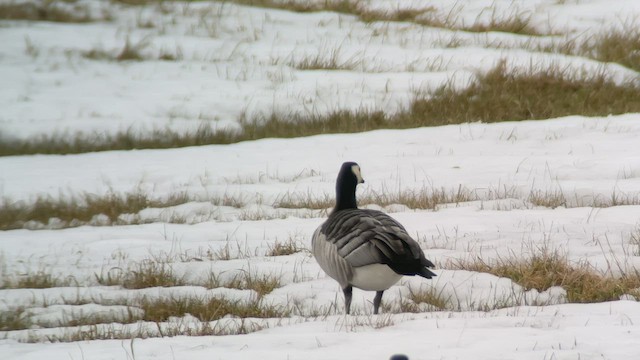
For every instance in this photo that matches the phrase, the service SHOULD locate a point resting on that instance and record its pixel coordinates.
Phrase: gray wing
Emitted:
(363, 237)
(326, 255)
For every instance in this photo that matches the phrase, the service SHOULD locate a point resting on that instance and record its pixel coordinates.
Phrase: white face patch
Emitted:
(356, 172)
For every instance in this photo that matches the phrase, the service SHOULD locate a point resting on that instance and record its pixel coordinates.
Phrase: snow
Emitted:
(563, 332)
(234, 61)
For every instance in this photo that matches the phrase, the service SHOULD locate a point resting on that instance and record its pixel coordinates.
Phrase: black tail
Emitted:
(426, 273)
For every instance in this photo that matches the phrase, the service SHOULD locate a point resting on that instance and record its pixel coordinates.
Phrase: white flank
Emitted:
(374, 277)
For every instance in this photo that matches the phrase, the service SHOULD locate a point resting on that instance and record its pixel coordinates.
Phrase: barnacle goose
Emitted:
(364, 248)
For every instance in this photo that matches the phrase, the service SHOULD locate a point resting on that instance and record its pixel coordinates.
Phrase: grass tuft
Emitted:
(304, 201)
(262, 284)
(14, 320)
(145, 274)
(112, 208)
(550, 199)
(131, 51)
(151, 274)
(619, 45)
(616, 199)
(144, 331)
(205, 309)
(532, 94)
(426, 198)
(436, 300)
(38, 280)
(515, 22)
(81, 209)
(325, 61)
(339, 6)
(297, 125)
(418, 16)
(634, 238)
(156, 317)
(545, 269)
(52, 10)
(288, 247)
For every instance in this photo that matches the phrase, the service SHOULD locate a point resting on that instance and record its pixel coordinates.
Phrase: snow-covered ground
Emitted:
(235, 60)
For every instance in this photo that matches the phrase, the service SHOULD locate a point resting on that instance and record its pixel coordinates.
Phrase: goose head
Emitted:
(348, 178)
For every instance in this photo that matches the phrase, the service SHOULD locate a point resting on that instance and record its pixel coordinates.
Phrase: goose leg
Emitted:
(347, 298)
(376, 301)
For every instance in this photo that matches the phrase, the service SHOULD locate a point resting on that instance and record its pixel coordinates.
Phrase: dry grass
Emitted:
(550, 199)
(229, 200)
(204, 309)
(422, 16)
(545, 269)
(324, 60)
(223, 253)
(515, 22)
(262, 284)
(63, 143)
(130, 51)
(426, 198)
(110, 209)
(260, 215)
(153, 273)
(93, 332)
(535, 93)
(498, 95)
(39, 280)
(145, 274)
(339, 6)
(556, 198)
(297, 125)
(144, 331)
(30, 48)
(616, 199)
(434, 299)
(357, 323)
(14, 320)
(289, 247)
(139, 2)
(634, 239)
(94, 319)
(304, 201)
(123, 208)
(619, 45)
(154, 310)
(80, 209)
(51, 10)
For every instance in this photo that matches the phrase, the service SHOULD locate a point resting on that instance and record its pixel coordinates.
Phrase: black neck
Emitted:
(345, 195)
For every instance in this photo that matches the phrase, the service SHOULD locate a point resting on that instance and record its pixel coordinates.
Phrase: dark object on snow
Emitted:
(399, 357)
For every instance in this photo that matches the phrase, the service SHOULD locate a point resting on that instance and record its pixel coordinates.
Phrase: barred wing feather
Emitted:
(363, 237)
